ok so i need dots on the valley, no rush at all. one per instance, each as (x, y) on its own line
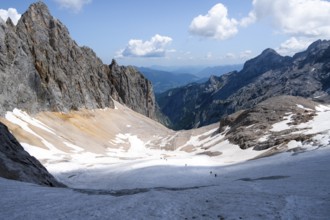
(82, 139)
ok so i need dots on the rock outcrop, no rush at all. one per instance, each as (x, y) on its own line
(253, 127)
(306, 74)
(17, 164)
(43, 69)
(133, 89)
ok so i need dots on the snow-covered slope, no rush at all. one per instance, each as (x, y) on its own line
(76, 144)
(87, 148)
(122, 165)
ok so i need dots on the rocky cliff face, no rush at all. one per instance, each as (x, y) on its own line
(133, 89)
(17, 164)
(306, 74)
(42, 68)
(253, 127)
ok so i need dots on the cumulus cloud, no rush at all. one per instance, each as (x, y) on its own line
(298, 19)
(245, 54)
(250, 19)
(10, 13)
(230, 56)
(308, 18)
(74, 5)
(294, 45)
(155, 47)
(303, 21)
(215, 24)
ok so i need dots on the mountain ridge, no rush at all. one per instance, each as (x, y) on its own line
(164, 80)
(262, 77)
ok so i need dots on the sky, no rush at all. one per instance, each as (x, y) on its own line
(187, 32)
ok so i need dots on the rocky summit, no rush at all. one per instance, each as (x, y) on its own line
(43, 69)
(306, 74)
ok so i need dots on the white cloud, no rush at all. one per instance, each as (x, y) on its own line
(155, 47)
(215, 24)
(75, 5)
(245, 54)
(209, 55)
(238, 56)
(10, 13)
(308, 18)
(294, 18)
(294, 45)
(230, 56)
(250, 19)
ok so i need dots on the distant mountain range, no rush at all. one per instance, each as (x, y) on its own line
(306, 74)
(218, 70)
(174, 77)
(163, 80)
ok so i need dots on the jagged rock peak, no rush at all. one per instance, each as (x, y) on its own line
(43, 69)
(37, 12)
(39, 16)
(10, 23)
(113, 63)
(39, 7)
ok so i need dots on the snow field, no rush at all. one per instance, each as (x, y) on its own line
(134, 178)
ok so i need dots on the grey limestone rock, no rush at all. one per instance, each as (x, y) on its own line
(252, 127)
(17, 164)
(133, 89)
(43, 69)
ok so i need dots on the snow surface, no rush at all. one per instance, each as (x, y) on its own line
(280, 187)
(136, 179)
(282, 125)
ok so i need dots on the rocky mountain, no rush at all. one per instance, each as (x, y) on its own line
(165, 80)
(306, 74)
(17, 164)
(43, 69)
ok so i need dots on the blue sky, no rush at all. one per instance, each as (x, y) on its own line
(187, 32)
